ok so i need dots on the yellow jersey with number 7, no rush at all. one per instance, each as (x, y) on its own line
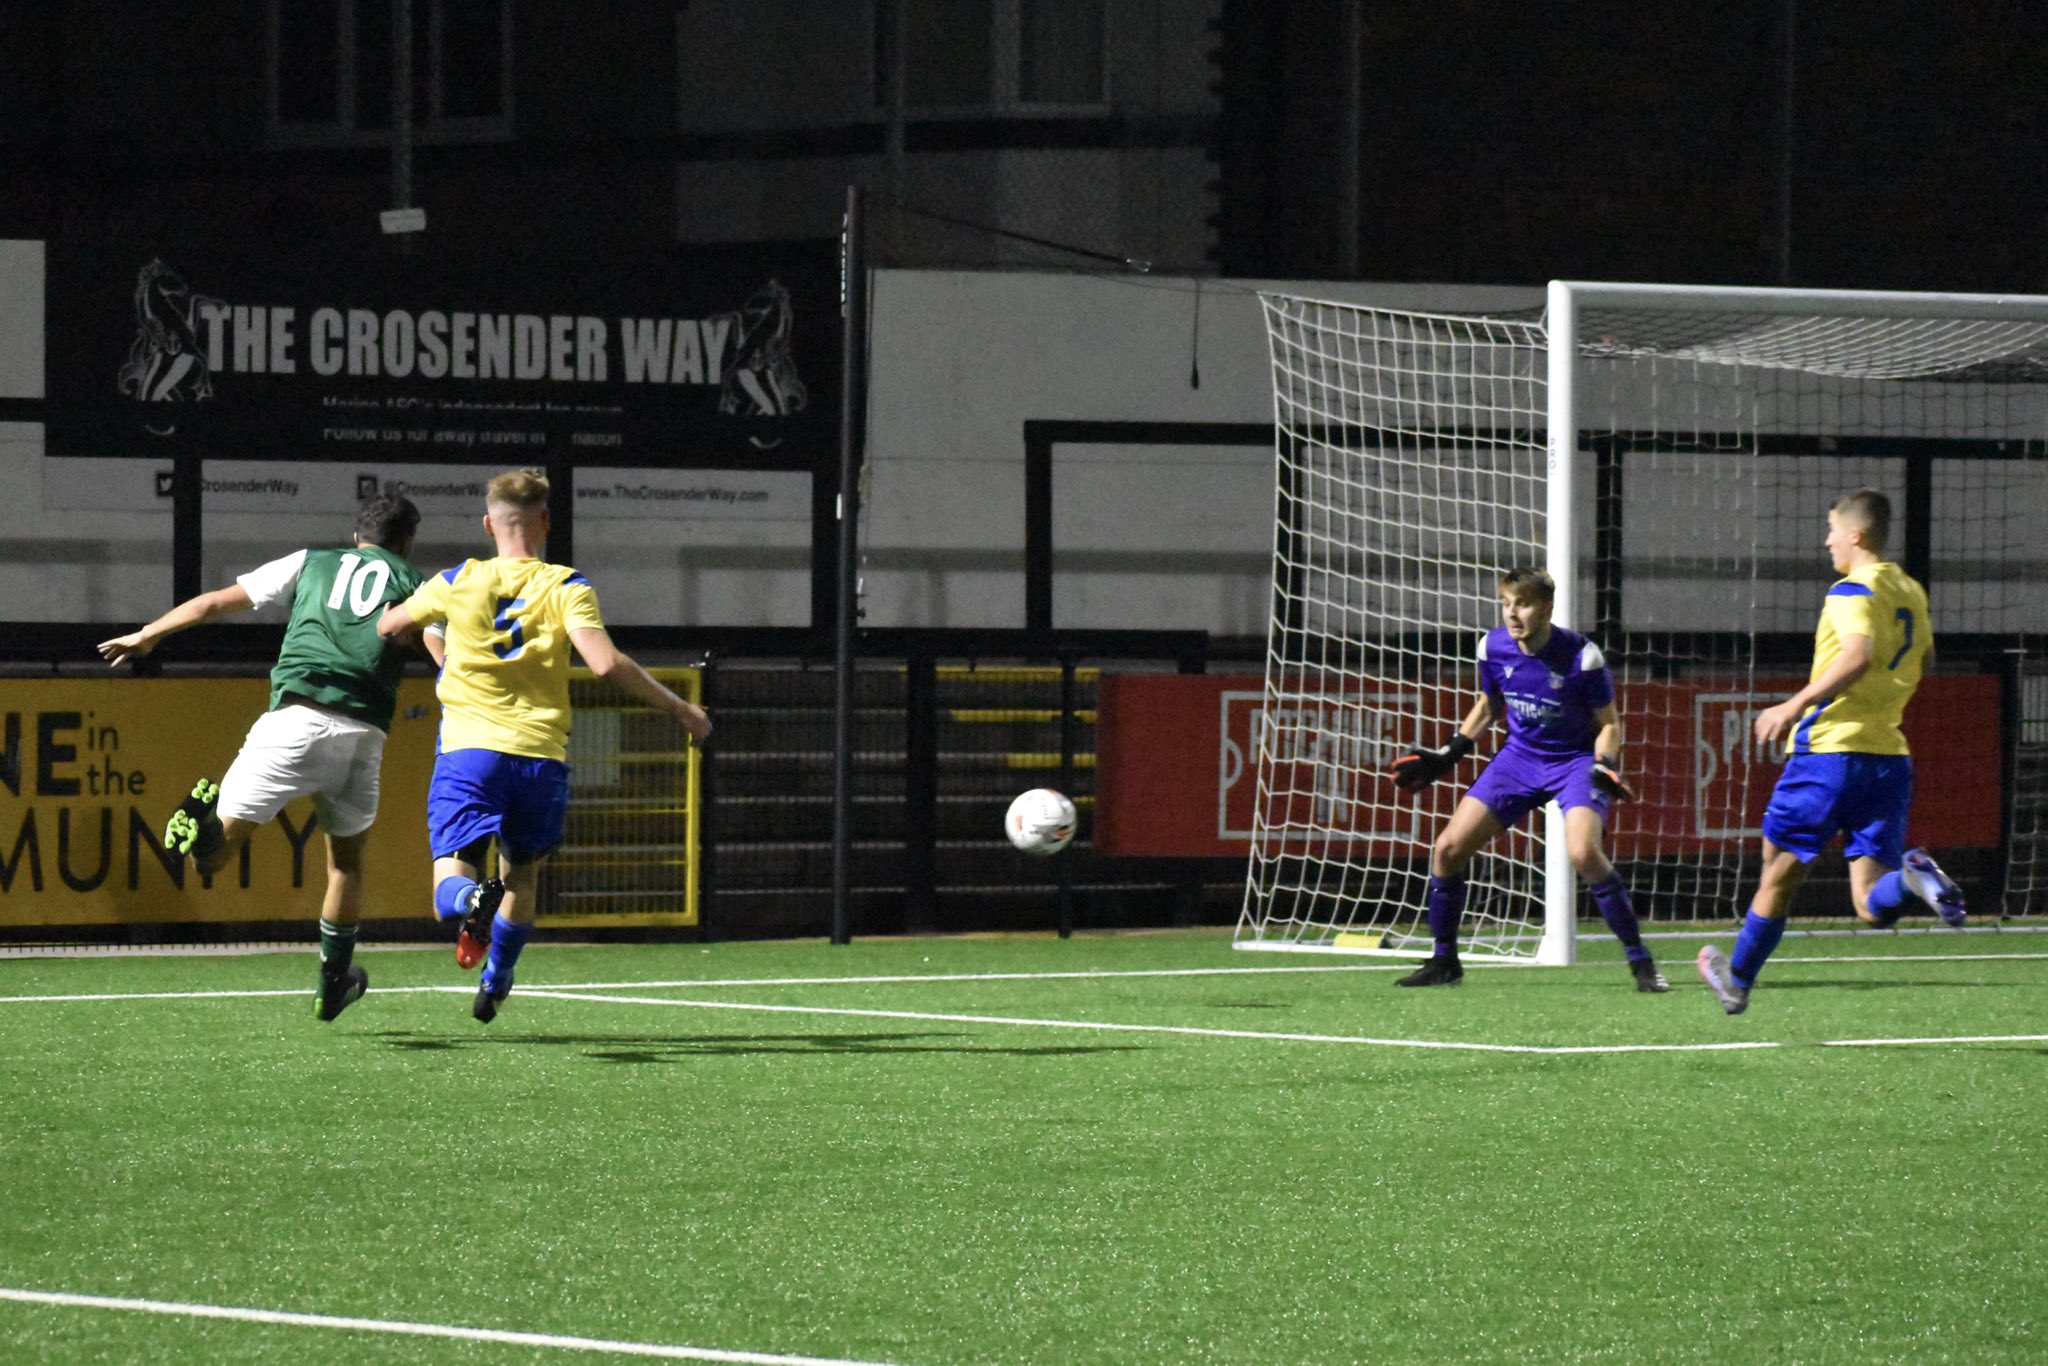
(1886, 604)
(505, 678)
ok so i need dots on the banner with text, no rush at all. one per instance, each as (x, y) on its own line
(91, 768)
(91, 485)
(1177, 764)
(218, 339)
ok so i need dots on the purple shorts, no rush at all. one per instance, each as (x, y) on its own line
(1516, 782)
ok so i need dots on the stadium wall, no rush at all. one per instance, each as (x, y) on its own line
(1143, 535)
(961, 359)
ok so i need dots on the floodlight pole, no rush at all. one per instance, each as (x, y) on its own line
(853, 308)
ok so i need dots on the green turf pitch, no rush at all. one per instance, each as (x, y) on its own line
(1260, 1164)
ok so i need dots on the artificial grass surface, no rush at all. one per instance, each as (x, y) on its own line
(893, 1188)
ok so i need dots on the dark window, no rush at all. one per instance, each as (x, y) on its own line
(376, 57)
(472, 56)
(309, 61)
(1059, 51)
(979, 55)
(946, 53)
(334, 59)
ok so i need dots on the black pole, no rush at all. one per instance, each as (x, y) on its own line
(1607, 544)
(1917, 554)
(707, 808)
(187, 526)
(1066, 875)
(562, 510)
(1037, 527)
(2012, 682)
(920, 791)
(852, 421)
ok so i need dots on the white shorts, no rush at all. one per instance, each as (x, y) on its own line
(298, 752)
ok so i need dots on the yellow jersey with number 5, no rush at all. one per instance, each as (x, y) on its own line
(505, 678)
(1886, 604)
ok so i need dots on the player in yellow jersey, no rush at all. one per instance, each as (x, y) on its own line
(1846, 767)
(502, 772)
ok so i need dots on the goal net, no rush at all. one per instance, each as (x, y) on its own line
(1669, 454)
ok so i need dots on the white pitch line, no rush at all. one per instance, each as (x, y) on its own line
(208, 995)
(703, 983)
(1954, 1038)
(1184, 1030)
(1910, 958)
(421, 1330)
(999, 976)
(253, 994)
(1109, 973)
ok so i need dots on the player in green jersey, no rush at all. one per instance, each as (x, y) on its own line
(332, 695)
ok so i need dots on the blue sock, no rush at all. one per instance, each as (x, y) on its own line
(1753, 944)
(1446, 905)
(1620, 914)
(507, 939)
(451, 896)
(1888, 898)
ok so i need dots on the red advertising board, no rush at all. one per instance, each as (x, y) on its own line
(1177, 759)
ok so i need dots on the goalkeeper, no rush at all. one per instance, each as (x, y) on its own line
(1564, 744)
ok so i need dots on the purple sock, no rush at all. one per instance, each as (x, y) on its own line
(1753, 944)
(1620, 914)
(1446, 908)
(1888, 898)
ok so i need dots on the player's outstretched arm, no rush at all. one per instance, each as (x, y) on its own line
(191, 612)
(1419, 768)
(615, 666)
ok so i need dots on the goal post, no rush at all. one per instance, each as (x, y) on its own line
(1668, 453)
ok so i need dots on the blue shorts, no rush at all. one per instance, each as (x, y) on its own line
(477, 793)
(1818, 795)
(1517, 781)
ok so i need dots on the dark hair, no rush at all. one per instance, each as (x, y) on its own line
(388, 520)
(1870, 511)
(1537, 581)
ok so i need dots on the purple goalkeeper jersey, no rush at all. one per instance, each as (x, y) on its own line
(1550, 696)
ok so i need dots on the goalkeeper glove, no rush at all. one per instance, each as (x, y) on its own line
(1607, 777)
(1419, 768)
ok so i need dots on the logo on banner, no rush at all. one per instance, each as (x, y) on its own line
(1729, 766)
(1328, 753)
(167, 361)
(762, 380)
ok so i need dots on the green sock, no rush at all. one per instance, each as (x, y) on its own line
(337, 947)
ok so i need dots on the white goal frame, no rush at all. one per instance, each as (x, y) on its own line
(1566, 302)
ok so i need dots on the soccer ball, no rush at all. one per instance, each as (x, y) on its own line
(1040, 821)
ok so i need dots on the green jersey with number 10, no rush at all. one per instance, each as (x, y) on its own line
(332, 654)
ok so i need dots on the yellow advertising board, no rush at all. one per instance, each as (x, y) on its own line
(91, 768)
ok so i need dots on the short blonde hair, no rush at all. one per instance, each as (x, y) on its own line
(1529, 581)
(1869, 512)
(523, 489)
